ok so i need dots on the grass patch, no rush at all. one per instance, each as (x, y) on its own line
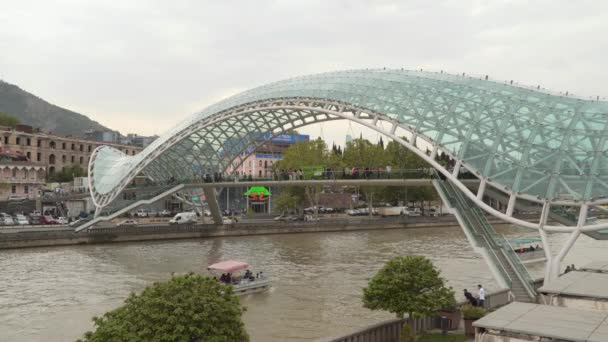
(437, 337)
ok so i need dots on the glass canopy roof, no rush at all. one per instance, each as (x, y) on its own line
(525, 140)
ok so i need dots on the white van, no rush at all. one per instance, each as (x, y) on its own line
(183, 218)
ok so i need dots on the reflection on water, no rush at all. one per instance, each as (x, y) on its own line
(50, 294)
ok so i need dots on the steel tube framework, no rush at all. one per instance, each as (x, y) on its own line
(527, 144)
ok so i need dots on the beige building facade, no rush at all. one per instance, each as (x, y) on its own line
(45, 154)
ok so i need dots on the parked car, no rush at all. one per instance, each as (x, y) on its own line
(21, 220)
(16, 198)
(164, 213)
(412, 211)
(48, 219)
(227, 220)
(310, 218)
(127, 223)
(7, 220)
(62, 220)
(183, 218)
(142, 213)
(207, 212)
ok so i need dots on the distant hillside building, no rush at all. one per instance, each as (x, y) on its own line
(138, 140)
(260, 161)
(26, 158)
(105, 136)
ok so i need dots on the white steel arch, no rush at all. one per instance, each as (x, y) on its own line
(242, 119)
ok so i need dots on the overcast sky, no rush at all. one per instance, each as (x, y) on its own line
(140, 66)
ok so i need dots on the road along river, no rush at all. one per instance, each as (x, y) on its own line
(51, 294)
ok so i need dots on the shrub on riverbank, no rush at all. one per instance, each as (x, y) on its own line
(185, 308)
(408, 285)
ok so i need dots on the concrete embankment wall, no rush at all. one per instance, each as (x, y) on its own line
(41, 238)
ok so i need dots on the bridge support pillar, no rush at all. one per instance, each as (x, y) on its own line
(214, 205)
(557, 261)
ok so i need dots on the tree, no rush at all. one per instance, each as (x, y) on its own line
(286, 201)
(8, 120)
(304, 155)
(67, 174)
(408, 285)
(185, 308)
(363, 154)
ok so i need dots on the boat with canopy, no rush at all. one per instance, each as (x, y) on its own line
(243, 283)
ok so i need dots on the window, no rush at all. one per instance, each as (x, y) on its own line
(63, 145)
(14, 172)
(73, 147)
(265, 163)
(73, 158)
(29, 155)
(13, 189)
(24, 174)
(28, 142)
(89, 148)
(52, 159)
(18, 141)
(51, 170)
(39, 143)
(81, 147)
(81, 160)
(26, 189)
(63, 158)
(260, 173)
(38, 155)
(259, 163)
(6, 139)
(52, 144)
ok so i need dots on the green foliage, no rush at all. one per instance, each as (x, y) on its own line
(286, 201)
(406, 333)
(362, 153)
(359, 153)
(67, 174)
(472, 312)
(304, 154)
(409, 284)
(8, 120)
(185, 308)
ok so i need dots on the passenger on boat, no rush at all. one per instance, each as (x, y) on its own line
(223, 278)
(568, 269)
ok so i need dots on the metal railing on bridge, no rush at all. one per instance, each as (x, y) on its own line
(499, 251)
(291, 175)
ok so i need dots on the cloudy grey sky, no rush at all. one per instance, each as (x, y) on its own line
(139, 66)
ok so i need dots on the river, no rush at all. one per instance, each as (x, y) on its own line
(51, 294)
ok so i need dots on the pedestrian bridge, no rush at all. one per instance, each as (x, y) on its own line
(527, 143)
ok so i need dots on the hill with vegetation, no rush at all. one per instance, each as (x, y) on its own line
(38, 113)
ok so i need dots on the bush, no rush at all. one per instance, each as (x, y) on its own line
(186, 308)
(472, 312)
(408, 285)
